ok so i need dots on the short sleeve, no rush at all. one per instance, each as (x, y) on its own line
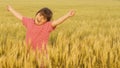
(50, 27)
(25, 21)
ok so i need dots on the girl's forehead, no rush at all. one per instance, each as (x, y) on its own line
(40, 14)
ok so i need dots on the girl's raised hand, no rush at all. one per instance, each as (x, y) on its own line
(9, 7)
(71, 13)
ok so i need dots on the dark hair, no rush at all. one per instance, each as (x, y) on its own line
(46, 12)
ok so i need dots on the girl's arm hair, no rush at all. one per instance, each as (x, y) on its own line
(63, 18)
(15, 13)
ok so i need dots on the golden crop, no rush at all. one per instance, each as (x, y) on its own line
(90, 39)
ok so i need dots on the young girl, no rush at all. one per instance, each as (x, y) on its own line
(39, 28)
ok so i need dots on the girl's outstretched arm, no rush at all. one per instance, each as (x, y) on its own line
(15, 13)
(63, 18)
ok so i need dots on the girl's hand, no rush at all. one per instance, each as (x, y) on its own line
(71, 13)
(9, 7)
(14, 12)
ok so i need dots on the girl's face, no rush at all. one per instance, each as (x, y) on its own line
(40, 19)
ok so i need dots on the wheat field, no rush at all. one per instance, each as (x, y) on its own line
(90, 39)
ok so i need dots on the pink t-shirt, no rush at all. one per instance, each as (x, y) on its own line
(37, 35)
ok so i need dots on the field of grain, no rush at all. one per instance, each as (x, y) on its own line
(90, 39)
